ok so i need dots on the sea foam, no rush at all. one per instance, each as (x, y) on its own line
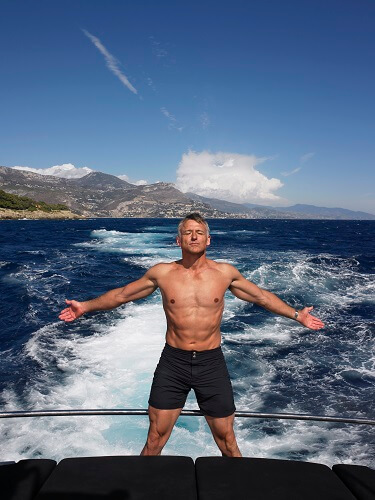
(107, 360)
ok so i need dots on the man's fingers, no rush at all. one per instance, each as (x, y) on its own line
(70, 313)
(317, 324)
(65, 311)
(312, 322)
(68, 320)
(314, 318)
(67, 315)
(317, 321)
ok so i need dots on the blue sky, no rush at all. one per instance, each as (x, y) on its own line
(274, 97)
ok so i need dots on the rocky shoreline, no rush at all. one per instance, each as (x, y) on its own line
(7, 214)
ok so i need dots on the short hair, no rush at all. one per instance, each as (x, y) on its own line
(193, 216)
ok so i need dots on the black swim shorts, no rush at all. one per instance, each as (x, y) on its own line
(178, 371)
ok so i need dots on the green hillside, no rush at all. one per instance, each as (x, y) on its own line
(14, 202)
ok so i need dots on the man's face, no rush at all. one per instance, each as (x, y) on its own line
(194, 238)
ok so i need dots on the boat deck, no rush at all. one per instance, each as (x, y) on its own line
(179, 478)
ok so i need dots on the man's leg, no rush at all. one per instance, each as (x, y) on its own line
(223, 433)
(161, 425)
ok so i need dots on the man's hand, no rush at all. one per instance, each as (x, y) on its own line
(306, 319)
(74, 311)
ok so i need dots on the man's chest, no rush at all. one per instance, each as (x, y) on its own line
(203, 289)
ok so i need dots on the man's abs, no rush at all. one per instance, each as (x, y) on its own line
(193, 339)
(193, 318)
(193, 303)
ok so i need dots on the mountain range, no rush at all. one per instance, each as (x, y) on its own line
(103, 195)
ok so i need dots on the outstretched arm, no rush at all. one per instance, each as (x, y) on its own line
(245, 290)
(133, 291)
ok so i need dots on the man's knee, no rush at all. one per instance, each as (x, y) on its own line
(227, 443)
(156, 434)
(230, 439)
(153, 442)
(225, 434)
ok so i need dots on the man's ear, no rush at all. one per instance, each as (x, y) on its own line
(178, 241)
(208, 241)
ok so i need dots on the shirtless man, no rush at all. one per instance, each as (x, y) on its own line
(193, 291)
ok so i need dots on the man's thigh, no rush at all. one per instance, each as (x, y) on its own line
(221, 427)
(162, 421)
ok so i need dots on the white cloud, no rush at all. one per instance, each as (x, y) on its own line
(228, 176)
(141, 182)
(111, 61)
(306, 157)
(67, 171)
(124, 178)
(286, 174)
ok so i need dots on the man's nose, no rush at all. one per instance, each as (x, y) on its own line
(193, 235)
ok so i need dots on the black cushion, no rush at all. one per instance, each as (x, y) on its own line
(125, 478)
(23, 480)
(223, 478)
(359, 479)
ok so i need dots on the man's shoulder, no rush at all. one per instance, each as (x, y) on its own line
(225, 267)
(160, 269)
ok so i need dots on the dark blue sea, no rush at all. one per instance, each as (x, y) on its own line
(106, 360)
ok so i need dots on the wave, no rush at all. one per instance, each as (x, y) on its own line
(107, 360)
(144, 248)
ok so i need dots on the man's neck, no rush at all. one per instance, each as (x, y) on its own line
(193, 262)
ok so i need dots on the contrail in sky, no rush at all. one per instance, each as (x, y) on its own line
(286, 174)
(111, 61)
(168, 114)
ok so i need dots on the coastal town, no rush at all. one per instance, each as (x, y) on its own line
(106, 196)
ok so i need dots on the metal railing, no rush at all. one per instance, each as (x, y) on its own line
(184, 413)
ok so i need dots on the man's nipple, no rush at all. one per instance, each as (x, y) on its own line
(172, 301)
(216, 300)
